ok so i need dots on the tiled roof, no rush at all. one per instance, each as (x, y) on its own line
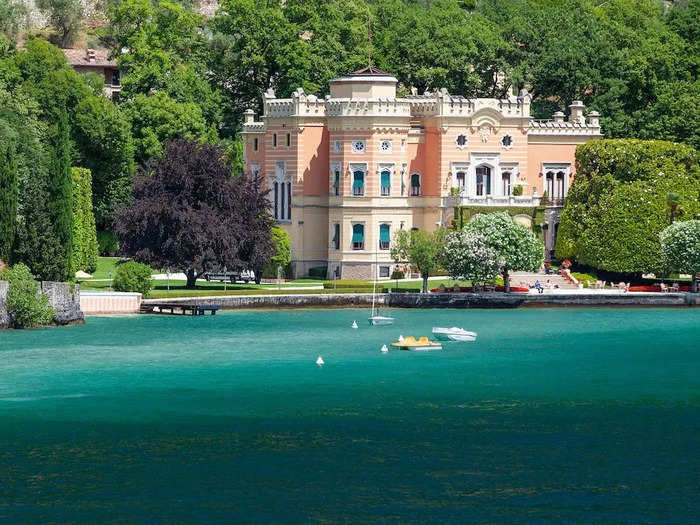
(369, 71)
(79, 57)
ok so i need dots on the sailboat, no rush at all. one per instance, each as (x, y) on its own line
(375, 319)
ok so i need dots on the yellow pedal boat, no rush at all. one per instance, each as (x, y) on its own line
(422, 344)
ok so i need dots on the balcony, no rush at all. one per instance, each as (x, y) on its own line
(493, 200)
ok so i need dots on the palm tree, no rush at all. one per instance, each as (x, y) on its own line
(672, 200)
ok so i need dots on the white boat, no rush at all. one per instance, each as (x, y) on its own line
(375, 319)
(379, 320)
(454, 334)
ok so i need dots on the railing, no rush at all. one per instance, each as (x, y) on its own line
(497, 200)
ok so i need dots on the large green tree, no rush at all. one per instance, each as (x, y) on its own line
(158, 118)
(617, 204)
(104, 145)
(420, 249)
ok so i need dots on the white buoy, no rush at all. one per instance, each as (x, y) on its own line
(320, 361)
(400, 338)
(354, 324)
(384, 349)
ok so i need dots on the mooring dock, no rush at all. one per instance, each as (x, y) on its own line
(178, 309)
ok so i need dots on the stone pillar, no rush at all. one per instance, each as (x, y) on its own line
(249, 116)
(594, 119)
(576, 115)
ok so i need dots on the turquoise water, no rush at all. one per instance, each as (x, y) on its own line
(564, 416)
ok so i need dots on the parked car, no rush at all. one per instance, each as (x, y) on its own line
(230, 276)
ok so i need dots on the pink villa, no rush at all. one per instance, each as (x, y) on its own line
(347, 171)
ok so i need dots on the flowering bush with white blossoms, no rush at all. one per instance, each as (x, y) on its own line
(680, 246)
(516, 245)
(467, 255)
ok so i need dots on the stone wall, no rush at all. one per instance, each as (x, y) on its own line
(4, 317)
(63, 297)
(439, 300)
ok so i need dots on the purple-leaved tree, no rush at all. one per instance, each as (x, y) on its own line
(188, 212)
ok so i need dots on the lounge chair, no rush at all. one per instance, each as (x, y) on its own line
(663, 287)
(675, 287)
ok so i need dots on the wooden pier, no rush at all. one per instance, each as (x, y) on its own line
(177, 309)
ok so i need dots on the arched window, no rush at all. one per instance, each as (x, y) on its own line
(483, 180)
(505, 177)
(358, 183)
(415, 185)
(561, 178)
(385, 179)
(358, 237)
(336, 181)
(549, 180)
(384, 236)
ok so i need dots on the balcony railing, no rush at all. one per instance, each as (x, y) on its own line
(495, 200)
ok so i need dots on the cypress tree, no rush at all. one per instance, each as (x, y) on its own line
(60, 190)
(37, 246)
(84, 233)
(8, 199)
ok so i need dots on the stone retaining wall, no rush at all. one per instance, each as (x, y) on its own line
(440, 300)
(276, 301)
(64, 298)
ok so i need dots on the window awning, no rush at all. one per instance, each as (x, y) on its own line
(358, 233)
(386, 179)
(384, 233)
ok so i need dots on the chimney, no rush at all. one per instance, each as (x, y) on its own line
(90, 55)
(559, 117)
(594, 119)
(576, 115)
(249, 116)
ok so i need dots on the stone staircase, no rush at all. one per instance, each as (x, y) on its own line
(554, 279)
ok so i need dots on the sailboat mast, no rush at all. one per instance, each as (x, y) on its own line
(374, 283)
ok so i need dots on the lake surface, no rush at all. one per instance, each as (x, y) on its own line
(552, 416)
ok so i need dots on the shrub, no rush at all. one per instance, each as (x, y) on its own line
(617, 205)
(107, 244)
(517, 191)
(133, 277)
(318, 272)
(397, 274)
(26, 306)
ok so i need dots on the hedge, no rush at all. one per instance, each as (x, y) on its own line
(85, 250)
(617, 206)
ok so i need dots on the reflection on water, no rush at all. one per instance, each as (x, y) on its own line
(584, 416)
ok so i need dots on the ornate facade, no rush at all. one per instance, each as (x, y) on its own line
(347, 171)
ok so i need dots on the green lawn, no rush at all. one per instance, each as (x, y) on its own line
(105, 266)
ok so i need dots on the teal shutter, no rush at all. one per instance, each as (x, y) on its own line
(384, 233)
(415, 180)
(358, 233)
(386, 179)
(358, 179)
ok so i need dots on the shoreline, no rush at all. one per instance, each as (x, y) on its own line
(483, 300)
